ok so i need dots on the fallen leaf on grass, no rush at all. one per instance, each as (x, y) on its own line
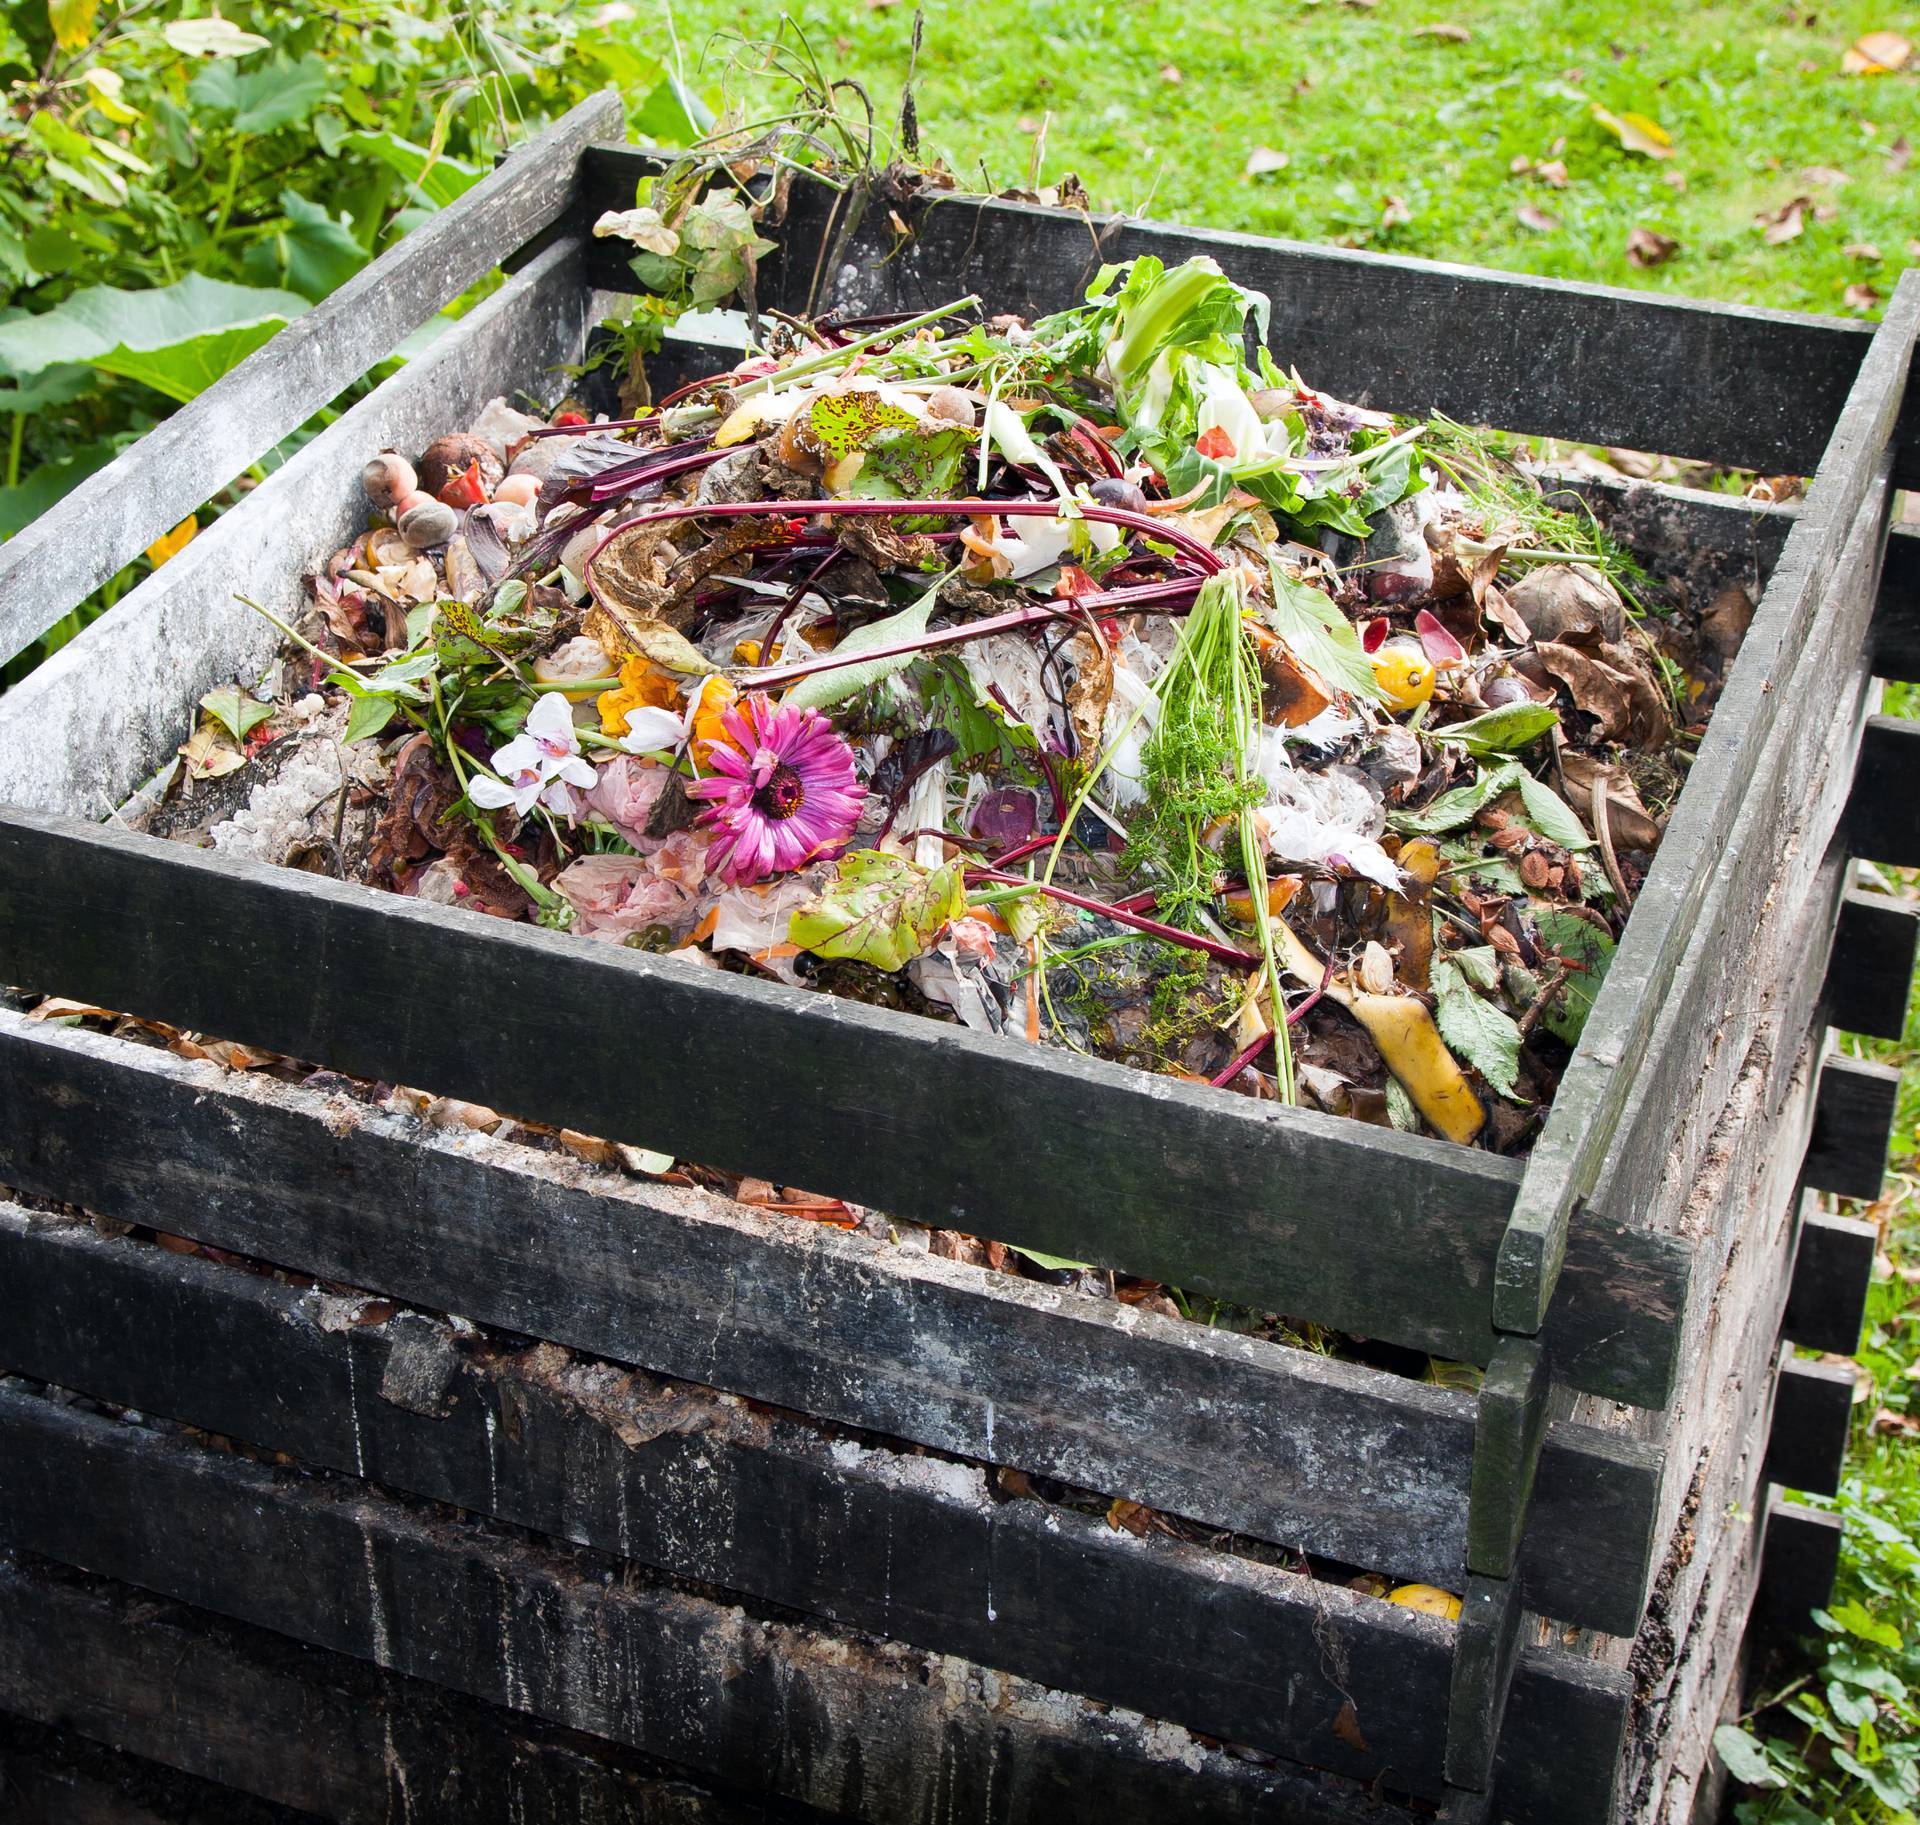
(1897, 156)
(1447, 30)
(1862, 250)
(1877, 54)
(1636, 132)
(1531, 216)
(1785, 223)
(1886, 1420)
(1823, 177)
(1263, 160)
(1646, 248)
(1861, 297)
(1394, 212)
(1170, 72)
(1552, 171)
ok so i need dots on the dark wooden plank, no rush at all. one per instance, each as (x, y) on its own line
(317, 1733)
(1870, 973)
(1341, 1460)
(75, 546)
(1827, 1302)
(1833, 545)
(1283, 1209)
(870, 1728)
(1486, 1650)
(1509, 1430)
(1896, 625)
(1799, 1561)
(1807, 1438)
(51, 1777)
(911, 1548)
(1586, 362)
(1883, 815)
(183, 631)
(1852, 1122)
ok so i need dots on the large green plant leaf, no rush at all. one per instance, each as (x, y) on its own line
(880, 910)
(313, 253)
(24, 504)
(264, 98)
(437, 177)
(178, 339)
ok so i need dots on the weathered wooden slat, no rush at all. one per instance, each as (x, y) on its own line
(318, 1733)
(914, 1549)
(1343, 1461)
(872, 1729)
(1509, 1430)
(1843, 519)
(1283, 1209)
(76, 545)
(1486, 1651)
(51, 1777)
(1883, 816)
(1832, 1270)
(1870, 973)
(1799, 1561)
(1807, 1438)
(1853, 1119)
(1587, 362)
(1896, 626)
(182, 631)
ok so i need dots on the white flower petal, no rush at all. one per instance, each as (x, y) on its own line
(551, 720)
(575, 772)
(489, 794)
(650, 728)
(520, 755)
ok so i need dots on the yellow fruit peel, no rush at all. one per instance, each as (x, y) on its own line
(1428, 1599)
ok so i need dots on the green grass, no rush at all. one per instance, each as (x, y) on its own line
(1364, 109)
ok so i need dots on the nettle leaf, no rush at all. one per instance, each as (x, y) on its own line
(178, 339)
(881, 910)
(1452, 809)
(1501, 731)
(844, 421)
(1746, 1757)
(1572, 937)
(1547, 812)
(1321, 636)
(1487, 1037)
(235, 711)
(844, 681)
(915, 464)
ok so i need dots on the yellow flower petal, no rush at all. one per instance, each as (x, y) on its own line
(168, 544)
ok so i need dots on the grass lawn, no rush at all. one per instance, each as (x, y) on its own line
(1400, 138)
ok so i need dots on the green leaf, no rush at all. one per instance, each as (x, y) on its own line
(1572, 937)
(1486, 1036)
(1547, 812)
(1501, 731)
(314, 253)
(53, 386)
(1321, 636)
(265, 98)
(72, 21)
(880, 910)
(1852, 1708)
(22, 505)
(672, 114)
(235, 711)
(370, 714)
(1856, 1619)
(1452, 809)
(1480, 964)
(844, 681)
(1746, 1758)
(1054, 1264)
(437, 177)
(178, 339)
(213, 37)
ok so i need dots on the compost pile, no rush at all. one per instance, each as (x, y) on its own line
(1088, 682)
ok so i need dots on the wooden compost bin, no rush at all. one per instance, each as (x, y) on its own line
(822, 1598)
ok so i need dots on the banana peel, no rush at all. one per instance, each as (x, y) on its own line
(1409, 1042)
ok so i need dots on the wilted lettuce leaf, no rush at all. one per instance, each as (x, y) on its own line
(881, 910)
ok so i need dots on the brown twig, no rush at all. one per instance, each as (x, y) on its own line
(1603, 834)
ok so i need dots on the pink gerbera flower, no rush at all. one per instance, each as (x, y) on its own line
(782, 795)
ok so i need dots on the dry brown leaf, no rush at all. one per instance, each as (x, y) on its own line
(1132, 1516)
(1646, 247)
(1861, 297)
(1346, 1726)
(1785, 223)
(1530, 215)
(210, 754)
(1446, 29)
(1520, 166)
(1862, 250)
(1170, 72)
(1553, 171)
(1822, 177)
(1263, 160)
(1897, 156)
(1675, 179)
(1886, 1420)
(1628, 820)
(1610, 687)
(589, 1147)
(1394, 212)
(1877, 54)
(58, 1007)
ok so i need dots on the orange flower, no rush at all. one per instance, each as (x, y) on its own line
(643, 685)
(168, 544)
(715, 700)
